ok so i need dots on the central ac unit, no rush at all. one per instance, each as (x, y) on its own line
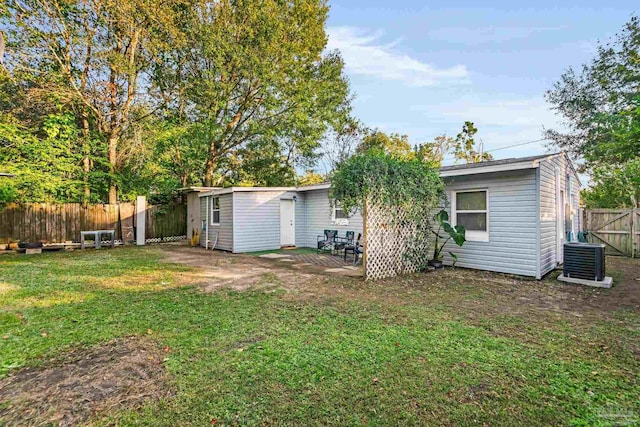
(584, 261)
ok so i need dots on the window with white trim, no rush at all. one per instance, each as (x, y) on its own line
(215, 211)
(470, 209)
(339, 214)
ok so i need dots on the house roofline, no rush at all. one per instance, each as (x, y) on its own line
(197, 189)
(489, 167)
(320, 186)
(228, 190)
(478, 168)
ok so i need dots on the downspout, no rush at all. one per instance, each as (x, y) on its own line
(206, 224)
(570, 199)
(538, 237)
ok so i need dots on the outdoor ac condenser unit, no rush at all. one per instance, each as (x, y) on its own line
(584, 261)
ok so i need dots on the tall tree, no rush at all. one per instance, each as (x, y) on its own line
(601, 107)
(395, 145)
(435, 151)
(464, 146)
(97, 54)
(341, 142)
(601, 102)
(255, 73)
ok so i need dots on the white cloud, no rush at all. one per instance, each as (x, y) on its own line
(488, 112)
(364, 54)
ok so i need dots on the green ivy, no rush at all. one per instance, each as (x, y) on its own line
(407, 183)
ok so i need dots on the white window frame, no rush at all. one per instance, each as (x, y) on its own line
(336, 206)
(214, 209)
(471, 235)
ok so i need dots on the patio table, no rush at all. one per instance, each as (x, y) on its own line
(97, 237)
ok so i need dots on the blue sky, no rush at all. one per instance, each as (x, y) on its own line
(423, 68)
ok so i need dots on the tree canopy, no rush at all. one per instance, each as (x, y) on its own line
(600, 104)
(168, 94)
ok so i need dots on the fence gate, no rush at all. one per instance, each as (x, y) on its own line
(618, 229)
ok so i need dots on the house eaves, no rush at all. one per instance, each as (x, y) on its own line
(505, 165)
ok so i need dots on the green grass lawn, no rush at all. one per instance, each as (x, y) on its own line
(398, 354)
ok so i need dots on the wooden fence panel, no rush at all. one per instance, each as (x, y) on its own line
(617, 229)
(164, 222)
(60, 223)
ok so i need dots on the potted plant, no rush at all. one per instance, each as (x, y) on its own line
(450, 233)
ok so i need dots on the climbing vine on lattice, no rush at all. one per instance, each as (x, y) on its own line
(399, 197)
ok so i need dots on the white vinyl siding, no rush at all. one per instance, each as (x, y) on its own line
(319, 217)
(257, 219)
(224, 229)
(512, 225)
(549, 258)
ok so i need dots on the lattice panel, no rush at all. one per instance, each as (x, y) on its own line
(395, 242)
(165, 239)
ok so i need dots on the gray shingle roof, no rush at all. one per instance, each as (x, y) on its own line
(496, 162)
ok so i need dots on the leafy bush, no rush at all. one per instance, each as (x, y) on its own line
(390, 180)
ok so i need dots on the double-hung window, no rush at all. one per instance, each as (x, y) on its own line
(470, 208)
(215, 211)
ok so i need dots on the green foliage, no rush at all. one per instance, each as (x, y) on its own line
(310, 178)
(395, 145)
(464, 145)
(389, 180)
(457, 234)
(44, 161)
(601, 102)
(613, 186)
(255, 77)
(601, 107)
(435, 151)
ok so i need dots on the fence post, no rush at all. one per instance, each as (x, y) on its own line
(141, 212)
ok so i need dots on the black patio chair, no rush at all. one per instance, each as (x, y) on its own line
(356, 249)
(342, 242)
(327, 241)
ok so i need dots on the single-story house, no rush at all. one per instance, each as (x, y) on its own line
(517, 213)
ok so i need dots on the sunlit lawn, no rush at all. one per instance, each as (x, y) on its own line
(267, 358)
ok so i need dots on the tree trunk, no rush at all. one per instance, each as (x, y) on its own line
(86, 164)
(112, 147)
(211, 164)
(209, 170)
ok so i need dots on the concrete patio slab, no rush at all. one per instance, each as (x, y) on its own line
(606, 283)
(274, 256)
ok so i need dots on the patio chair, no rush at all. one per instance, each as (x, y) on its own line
(342, 242)
(356, 249)
(327, 241)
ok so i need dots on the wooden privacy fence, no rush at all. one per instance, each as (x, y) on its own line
(618, 229)
(60, 223)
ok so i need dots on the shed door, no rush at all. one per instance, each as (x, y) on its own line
(287, 223)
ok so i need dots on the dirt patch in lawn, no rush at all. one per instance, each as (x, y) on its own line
(217, 270)
(471, 294)
(122, 373)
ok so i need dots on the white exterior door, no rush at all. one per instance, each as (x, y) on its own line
(287, 223)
